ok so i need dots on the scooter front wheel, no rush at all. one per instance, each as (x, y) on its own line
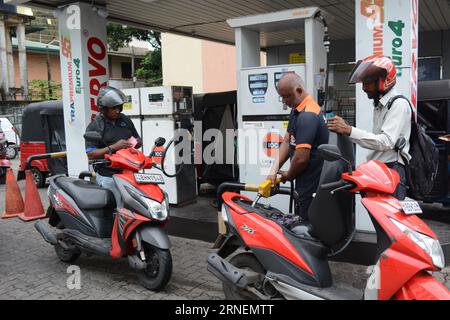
(159, 268)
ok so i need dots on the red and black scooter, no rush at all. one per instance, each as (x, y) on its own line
(291, 262)
(84, 217)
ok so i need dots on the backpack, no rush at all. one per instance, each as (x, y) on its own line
(421, 171)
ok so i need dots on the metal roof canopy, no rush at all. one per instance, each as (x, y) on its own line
(278, 28)
(275, 21)
(206, 19)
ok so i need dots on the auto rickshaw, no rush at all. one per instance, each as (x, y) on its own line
(42, 132)
(434, 114)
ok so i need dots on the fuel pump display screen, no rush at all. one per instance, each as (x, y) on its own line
(156, 97)
(258, 84)
(279, 75)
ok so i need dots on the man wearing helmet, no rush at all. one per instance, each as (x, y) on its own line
(117, 130)
(378, 76)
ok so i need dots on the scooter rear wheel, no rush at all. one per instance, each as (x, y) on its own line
(245, 261)
(68, 256)
(159, 268)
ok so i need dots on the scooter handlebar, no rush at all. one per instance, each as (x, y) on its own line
(338, 185)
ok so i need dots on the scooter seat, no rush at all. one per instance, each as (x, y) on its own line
(86, 194)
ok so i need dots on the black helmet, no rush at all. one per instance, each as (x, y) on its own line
(110, 97)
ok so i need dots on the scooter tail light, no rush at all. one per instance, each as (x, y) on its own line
(223, 213)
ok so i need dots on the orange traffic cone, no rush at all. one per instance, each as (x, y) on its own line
(13, 197)
(33, 204)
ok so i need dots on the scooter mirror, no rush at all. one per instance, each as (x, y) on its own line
(400, 144)
(329, 152)
(160, 142)
(93, 136)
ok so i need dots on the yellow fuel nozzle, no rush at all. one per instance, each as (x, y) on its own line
(266, 187)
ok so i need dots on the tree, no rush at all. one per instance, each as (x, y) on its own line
(151, 67)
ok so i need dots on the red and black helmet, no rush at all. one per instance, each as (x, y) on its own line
(375, 68)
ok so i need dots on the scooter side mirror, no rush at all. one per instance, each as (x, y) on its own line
(93, 136)
(160, 142)
(400, 144)
(329, 152)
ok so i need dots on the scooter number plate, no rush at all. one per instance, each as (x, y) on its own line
(411, 207)
(144, 178)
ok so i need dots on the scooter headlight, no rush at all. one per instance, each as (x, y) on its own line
(430, 245)
(158, 210)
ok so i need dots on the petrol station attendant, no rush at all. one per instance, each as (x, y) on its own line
(307, 130)
(117, 131)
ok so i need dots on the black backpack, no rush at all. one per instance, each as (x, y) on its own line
(422, 169)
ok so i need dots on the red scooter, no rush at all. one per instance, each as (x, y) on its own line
(84, 217)
(291, 261)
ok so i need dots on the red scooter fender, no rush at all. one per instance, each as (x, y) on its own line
(154, 235)
(423, 286)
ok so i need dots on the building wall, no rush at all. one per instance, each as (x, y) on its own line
(182, 61)
(37, 67)
(205, 65)
(115, 66)
(219, 67)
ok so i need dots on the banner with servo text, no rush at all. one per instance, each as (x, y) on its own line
(84, 70)
(388, 27)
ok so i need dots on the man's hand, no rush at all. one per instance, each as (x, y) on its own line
(121, 144)
(284, 176)
(338, 125)
(272, 178)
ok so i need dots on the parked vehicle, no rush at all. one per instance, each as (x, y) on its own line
(42, 132)
(4, 163)
(433, 108)
(83, 217)
(291, 261)
(12, 138)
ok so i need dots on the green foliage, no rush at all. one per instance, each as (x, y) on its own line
(150, 68)
(120, 36)
(42, 90)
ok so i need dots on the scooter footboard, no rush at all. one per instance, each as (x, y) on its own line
(226, 272)
(423, 286)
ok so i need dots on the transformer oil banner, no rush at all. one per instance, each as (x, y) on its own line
(84, 70)
(388, 27)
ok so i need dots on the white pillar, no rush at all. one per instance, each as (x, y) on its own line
(10, 57)
(249, 48)
(84, 70)
(4, 81)
(23, 70)
(315, 54)
(390, 28)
